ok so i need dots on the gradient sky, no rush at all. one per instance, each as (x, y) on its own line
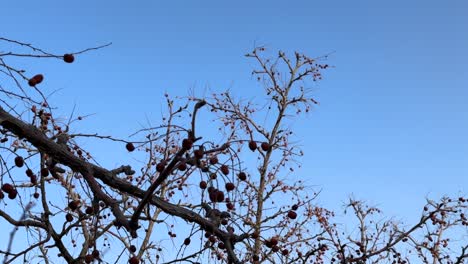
(392, 123)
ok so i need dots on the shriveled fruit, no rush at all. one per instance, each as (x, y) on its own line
(292, 214)
(130, 147)
(187, 143)
(73, 205)
(12, 195)
(224, 169)
(187, 241)
(69, 217)
(68, 58)
(133, 260)
(252, 145)
(230, 186)
(242, 176)
(6, 187)
(265, 146)
(19, 161)
(203, 185)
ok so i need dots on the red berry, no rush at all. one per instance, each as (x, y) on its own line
(44, 172)
(214, 160)
(68, 58)
(32, 82)
(73, 205)
(12, 194)
(89, 210)
(38, 78)
(89, 258)
(242, 176)
(187, 144)
(69, 217)
(198, 153)
(294, 207)
(6, 187)
(2, 195)
(182, 166)
(96, 253)
(224, 169)
(36, 195)
(203, 185)
(33, 179)
(29, 172)
(133, 248)
(133, 260)
(219, 196)
(265, 146)
(230, 186)
(292, 214)
(187, 241)
(252, 145)
(160, 167)
(19, 161)
(130, 147)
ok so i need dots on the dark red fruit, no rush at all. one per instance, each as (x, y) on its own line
(19, 161)
(198, 153)
(182, 166)
(6, 187)
(242, 176)
(34, 179)
(219, 196)
(36, 195)
(285, 252)
(73, 205)
(265, 146)
(96, 253)
(2, 195)
(221, 245)
(230, 186)
(69, 217)
(44, 172)
(36, 79)
(68, 58)
(89, 210)
(133, 260)
(132, 248)
(160, 166)
(292, 214)
(214, 160)
(187, 241)
(29, 172)
(294, 207)
(12, 195)
(252, 145)
(88, 258)
(187, 144)
(203, 185)
(224, 169)
(130, 147)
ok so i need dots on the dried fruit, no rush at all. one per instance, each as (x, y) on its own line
(224, 169)
(36, 79)
(133, 260)
(29, 172)
(132, 248)
(88, 258)
(69, 217)
(252, 145)
(2, 195)
(68, 58)
(242, 176)
(265, 146)
(36, 195)
(19, 161)
(292, 214)
(203, 185)
(12, 194)
(214, 160)
(182, 166)
(73, 205)
(187, 144)
(6, 187)
(130, 147)
(230, 186)
(187, 241)
(198, 153)
(160, 166)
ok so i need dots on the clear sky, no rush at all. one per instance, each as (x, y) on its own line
(392, 123)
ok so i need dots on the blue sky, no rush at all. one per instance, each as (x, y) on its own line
(392, 125)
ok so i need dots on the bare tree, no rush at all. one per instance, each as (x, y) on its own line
(195, 197)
